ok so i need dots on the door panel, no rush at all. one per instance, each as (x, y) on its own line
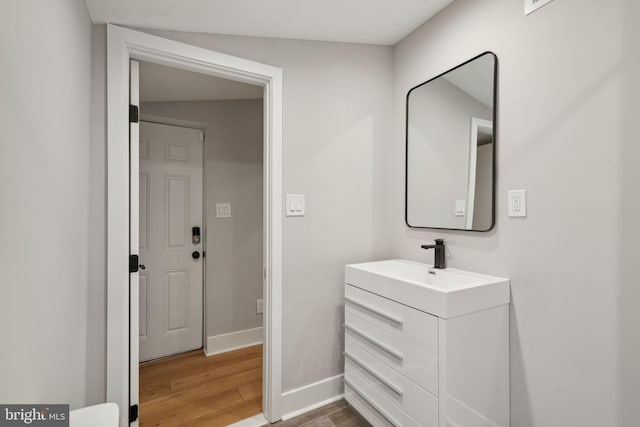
(170, 205)
(177, 289)
(177, 207)
(144, 211)
(177, 152)
(143, 313)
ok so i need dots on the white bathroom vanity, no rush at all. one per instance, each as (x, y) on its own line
(426, 347)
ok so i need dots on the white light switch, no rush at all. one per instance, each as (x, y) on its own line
(517, 203)
(461, 205)
(223, 210)
(295, 205)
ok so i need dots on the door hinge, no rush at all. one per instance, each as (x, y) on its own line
(133, 413)
(134, 116)
(133, 263)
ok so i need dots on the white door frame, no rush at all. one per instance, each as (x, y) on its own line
(122, 45)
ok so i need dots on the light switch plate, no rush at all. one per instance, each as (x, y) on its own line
(517, 203)
(295, 205)
(223, 210)
(461, 206)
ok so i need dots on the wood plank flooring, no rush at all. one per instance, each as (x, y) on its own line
(337, 414)
(195, 390)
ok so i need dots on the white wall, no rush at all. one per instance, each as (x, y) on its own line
(233, 173)
(567, 132)
(337, 105)
(45, 71)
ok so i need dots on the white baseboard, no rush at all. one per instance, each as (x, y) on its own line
(312, 396)
(233, 341)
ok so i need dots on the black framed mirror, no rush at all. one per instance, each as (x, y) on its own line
(450, 148)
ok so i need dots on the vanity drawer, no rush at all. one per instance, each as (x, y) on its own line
(367, 411)
(411, 325)
(374, 408)
(418, 365)
(391, 385)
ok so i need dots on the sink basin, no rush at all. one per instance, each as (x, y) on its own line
(444, 293)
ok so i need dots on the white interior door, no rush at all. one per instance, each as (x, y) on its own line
(171, 284)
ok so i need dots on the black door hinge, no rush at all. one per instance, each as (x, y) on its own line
(134, 117)
(133, 413)
(133, 263)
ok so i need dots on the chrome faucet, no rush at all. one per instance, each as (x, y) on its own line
(439, 259)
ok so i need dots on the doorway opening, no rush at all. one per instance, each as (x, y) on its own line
(123, 330)
(201, 245)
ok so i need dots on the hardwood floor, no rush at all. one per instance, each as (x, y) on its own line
(194, 390)
(337, 414)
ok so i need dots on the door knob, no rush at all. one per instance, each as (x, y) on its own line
(195, 254)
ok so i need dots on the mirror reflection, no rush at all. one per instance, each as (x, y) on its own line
(450, 148)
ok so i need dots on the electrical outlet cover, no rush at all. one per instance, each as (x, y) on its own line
(517, 203)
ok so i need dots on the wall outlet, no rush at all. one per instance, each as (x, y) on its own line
(517, 203)
(259, 306)
(461, 205)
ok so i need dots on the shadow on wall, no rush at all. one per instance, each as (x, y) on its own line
(629, 233)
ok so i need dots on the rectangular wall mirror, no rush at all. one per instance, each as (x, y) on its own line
(450, 152)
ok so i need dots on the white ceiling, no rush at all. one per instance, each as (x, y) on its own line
(161, 83)
(358, 21)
